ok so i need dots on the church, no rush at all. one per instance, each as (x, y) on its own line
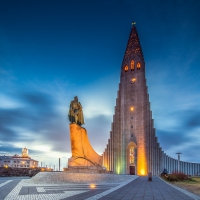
(133, 147)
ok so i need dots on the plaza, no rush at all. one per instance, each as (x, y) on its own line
(120, 187)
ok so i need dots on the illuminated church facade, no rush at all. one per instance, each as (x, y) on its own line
(133, 147)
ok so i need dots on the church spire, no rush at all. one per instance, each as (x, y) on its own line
(133, 48)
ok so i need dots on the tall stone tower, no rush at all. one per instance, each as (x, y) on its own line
(133, 147)
(132, 142)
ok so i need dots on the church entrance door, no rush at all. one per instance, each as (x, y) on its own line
(132, 170)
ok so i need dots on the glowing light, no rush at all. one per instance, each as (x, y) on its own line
(138, 66)
(132, 65)
(131, 108)
(142, 164)
(118, 169)
(133, 80)
(142, 171)
(126, 68)
(92, 186)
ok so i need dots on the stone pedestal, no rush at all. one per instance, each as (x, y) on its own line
(83, 155)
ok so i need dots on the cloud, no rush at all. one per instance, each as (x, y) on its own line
(98, 129)
(169, 139)
(194, 120)
(36, 117)
(9, 149)
(182, 136)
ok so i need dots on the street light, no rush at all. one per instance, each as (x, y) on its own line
(178, 162)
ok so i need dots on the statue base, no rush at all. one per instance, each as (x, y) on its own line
(87, 170)
(83, 155)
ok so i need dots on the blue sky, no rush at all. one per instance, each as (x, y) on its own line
(51, 51)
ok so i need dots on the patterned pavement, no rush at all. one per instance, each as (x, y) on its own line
(24, 189)
(138, 189)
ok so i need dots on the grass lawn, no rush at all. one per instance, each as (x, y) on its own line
(192, 185)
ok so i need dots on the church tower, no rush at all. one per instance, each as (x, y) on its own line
(133, 147)
(132, 137)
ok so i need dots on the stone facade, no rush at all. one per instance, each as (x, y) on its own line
(133, 147)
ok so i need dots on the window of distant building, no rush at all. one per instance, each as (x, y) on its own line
(126, 68)
(132, 65)
(138, 66)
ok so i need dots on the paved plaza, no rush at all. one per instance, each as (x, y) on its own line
(136, 188)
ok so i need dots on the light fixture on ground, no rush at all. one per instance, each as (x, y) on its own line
(92, 186)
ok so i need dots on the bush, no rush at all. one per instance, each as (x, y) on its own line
(175, 176)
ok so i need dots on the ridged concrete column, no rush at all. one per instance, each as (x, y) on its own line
(109, 155)
(111, 141)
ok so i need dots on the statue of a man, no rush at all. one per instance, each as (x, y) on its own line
(75, 112)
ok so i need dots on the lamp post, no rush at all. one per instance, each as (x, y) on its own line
(59, 164)
(178, 162)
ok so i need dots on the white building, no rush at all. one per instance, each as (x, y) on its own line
(17, 161)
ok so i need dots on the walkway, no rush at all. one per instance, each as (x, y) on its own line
(141, 189)
(138, 189)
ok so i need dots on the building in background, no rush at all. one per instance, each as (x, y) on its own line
(16, 161)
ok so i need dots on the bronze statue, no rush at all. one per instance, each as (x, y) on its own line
(75, 112)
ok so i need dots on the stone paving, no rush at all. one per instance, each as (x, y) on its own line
(128, 188)
(141, 189)
(64, 177)
(6, 186)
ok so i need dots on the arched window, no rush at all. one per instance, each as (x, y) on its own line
(138, 66)
(126, 68)
(132, 155)
(132, 65)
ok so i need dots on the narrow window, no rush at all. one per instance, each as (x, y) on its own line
(138, 66)
(126, 68)
(132, 65)
(131, 155)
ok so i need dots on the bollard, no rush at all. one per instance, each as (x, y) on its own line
(149, 176)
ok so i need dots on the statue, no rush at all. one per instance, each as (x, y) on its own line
(75, 112)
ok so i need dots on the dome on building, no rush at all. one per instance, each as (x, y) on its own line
(25, 152)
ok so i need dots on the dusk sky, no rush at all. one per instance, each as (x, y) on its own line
(51, 51)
